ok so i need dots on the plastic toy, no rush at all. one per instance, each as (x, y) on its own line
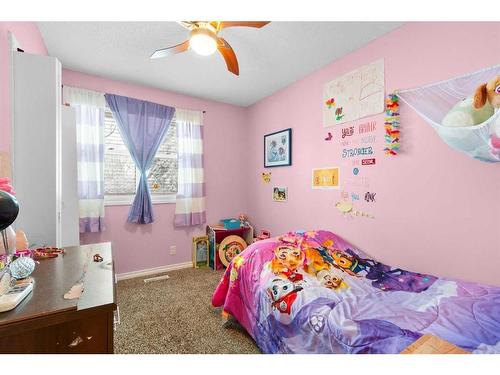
(244, 223)
(263, 235)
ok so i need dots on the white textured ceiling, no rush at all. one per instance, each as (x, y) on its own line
(270, 58)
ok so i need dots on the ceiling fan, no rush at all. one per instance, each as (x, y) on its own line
(203, 40)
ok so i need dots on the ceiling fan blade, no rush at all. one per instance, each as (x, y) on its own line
(190, 25)
(229, 57)
(164, 52)
(257, 24)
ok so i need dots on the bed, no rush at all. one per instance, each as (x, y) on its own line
(313, 292)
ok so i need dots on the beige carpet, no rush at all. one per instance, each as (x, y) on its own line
(175, 316)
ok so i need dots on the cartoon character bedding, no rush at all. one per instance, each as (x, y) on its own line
(312, 292)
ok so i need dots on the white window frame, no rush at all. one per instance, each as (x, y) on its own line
(128, 199)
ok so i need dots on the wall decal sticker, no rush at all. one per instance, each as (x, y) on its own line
(329, 137)
(266, 177)
(368, 139)
(354, 197)
(358, 151)
(367, 127)
(347, 132)
(368, 161)
(344, 195)
(370, 197)
(348, 209)
(355, 171)
(358, 182)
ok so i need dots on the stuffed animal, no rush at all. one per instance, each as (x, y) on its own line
(488, 94)
(465, 114)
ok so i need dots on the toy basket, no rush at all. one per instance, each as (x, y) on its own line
(432, 102)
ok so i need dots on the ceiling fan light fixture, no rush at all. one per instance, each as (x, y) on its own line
(203, 42)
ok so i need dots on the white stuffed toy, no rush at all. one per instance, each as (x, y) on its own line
(465, 114)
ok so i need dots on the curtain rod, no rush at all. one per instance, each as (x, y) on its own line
(62, 86)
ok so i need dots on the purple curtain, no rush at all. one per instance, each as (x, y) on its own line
(143, 126)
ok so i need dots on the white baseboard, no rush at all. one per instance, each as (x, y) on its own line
(153, 271)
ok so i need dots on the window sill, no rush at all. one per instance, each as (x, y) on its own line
(127, 200)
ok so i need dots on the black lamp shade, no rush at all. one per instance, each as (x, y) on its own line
(9, 208)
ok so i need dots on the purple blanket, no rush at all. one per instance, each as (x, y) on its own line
(312, 292)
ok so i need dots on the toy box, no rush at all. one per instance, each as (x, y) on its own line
(230, 223)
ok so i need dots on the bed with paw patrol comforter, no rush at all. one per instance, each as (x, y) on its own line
(312, 292)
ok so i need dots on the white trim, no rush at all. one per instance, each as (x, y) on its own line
(127, 200)
(13, 46)
(153, 271)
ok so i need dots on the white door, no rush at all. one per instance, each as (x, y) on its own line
(36, 140)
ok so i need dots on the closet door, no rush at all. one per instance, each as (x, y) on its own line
(37, 147)
(70, 234)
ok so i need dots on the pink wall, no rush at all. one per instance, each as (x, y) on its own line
(138, 247)
(30, 39)
(437, 211)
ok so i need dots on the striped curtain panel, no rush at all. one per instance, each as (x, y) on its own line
(190, 202)
(89, 108)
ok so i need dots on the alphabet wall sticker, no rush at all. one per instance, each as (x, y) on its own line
(347, 132)
(370, 197)
(370, 161)
(358, 151)
(367, 127)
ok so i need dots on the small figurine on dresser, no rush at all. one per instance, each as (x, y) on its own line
(244, 223)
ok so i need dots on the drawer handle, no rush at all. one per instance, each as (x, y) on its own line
(75, 342)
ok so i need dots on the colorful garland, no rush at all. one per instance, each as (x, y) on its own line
(391, 125)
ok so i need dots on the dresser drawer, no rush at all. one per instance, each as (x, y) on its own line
(89, 335)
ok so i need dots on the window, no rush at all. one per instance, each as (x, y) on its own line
(121, 176)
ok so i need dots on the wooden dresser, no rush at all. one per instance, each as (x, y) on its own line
(45, 322)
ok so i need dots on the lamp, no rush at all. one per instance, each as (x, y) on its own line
(9, 208)
(203, 41)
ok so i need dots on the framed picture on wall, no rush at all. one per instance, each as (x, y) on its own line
(200, 251)
(278, 149)
(325, 178)
(280, 194)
